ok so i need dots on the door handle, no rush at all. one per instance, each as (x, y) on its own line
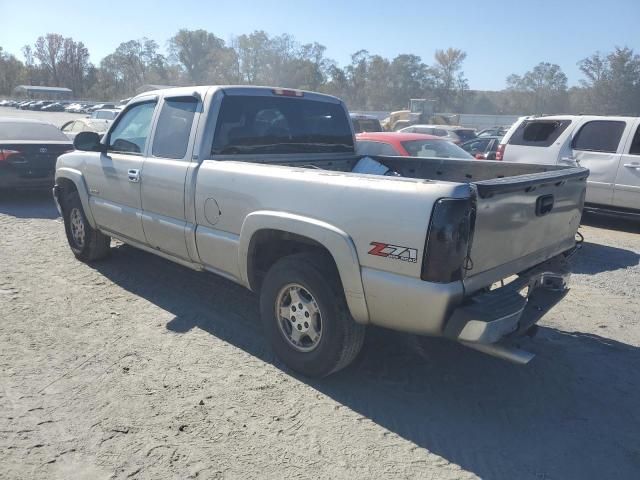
(134, 175)
(633, 165)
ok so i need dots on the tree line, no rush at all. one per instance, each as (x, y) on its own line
(611, 83)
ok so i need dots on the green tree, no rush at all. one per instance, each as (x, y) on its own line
(540, 90)
(203, 56)
(450, 81)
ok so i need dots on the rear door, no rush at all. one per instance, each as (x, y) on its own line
(626, 192)
(164, 173)
(113, 178)
(597, 145)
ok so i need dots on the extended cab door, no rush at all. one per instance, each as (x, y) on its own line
(627, 186)
(113, 178)
(164, 173)
(597, 145)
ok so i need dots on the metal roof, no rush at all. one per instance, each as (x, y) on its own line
(39, 88)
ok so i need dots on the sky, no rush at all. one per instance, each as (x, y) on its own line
(500, 37)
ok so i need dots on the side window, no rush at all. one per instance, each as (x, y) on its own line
(130, 133)
(599, 136)
(174, 127)
(538, 133)
(77, 127)
(635, 144)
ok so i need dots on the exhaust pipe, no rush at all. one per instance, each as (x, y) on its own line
(505, 352)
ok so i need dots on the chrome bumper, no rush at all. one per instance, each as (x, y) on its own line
(487, 321)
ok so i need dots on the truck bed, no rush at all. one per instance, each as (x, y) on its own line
(524, 213)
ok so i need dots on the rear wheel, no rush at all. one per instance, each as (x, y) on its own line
(306, 317)
(86, 243)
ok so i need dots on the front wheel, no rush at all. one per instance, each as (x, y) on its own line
(306, 317)
(86, 243)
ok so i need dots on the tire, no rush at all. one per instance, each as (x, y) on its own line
(340, 338)
(92, 244)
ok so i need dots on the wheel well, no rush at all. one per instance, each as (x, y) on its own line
(268, 246)
(66, 187)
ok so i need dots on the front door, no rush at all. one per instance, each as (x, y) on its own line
(627, 187)
(163, 177)
(597, 146)
(113, 178)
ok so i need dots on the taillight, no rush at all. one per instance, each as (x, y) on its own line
(448, 240)
(5, 154)
(500, 151)
(287, 93)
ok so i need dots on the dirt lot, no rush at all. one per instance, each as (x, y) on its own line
(138, 368)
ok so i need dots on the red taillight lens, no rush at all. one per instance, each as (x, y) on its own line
(500, 152)
(5, 154)
(287, 93)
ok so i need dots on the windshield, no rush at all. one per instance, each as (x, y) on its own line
(30, 131)
(265, 124)
(434, 149)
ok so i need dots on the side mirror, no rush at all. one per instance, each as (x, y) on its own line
(88, 142)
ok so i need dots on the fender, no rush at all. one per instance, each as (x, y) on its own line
(339, 244)
(76, 177)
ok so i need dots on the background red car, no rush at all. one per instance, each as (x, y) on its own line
(408, 145)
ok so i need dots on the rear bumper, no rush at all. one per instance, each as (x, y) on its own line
(481, 320)
(10, 179)
(511, 310)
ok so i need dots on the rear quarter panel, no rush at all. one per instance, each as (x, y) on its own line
(368, 208)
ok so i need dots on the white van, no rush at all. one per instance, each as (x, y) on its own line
(608, 146)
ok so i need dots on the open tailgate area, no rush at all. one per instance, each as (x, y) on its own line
(523, 220)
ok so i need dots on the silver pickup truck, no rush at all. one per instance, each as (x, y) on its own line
(263, 187)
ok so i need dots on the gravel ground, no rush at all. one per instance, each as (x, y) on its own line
(138, 368)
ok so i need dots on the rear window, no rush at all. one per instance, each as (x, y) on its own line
(30, 131)
(465, 134)
(278, 125)
(599, 136)
(538, 133)
(434, 149)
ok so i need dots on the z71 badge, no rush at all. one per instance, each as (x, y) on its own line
(396, 252)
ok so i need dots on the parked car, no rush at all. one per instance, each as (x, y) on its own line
(483, 147)
(28, 152)
(99, 106)
(264, 186)
(39, 105)
(74, 108)
(53, 107)
(74, 127)
(455, 134)
(105, 114)
(25, 105)
(365, 123)
(408, 145)
(493, 132)
(608, 146)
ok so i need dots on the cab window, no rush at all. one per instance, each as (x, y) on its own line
(132, 130)
(174, 127)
